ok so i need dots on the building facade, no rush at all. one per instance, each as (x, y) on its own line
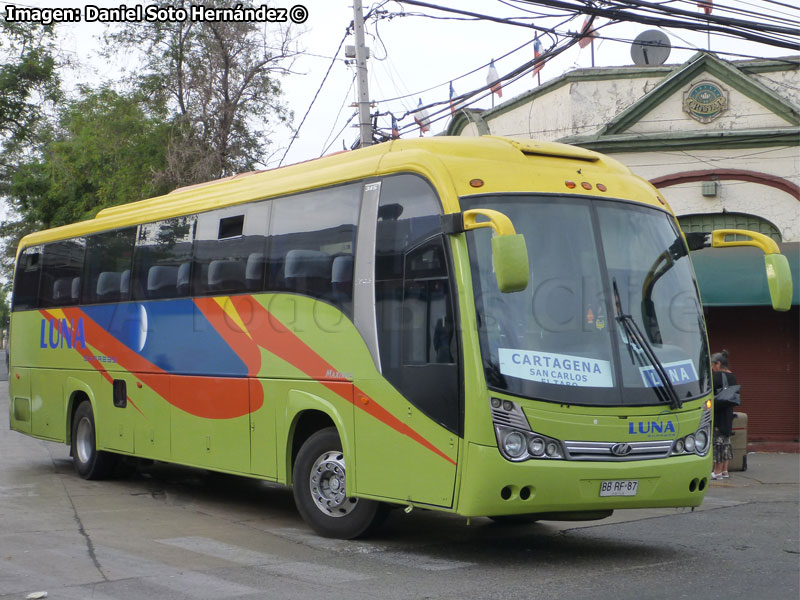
(721, 140)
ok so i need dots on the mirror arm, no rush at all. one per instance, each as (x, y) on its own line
(453, 223)
(698, 240)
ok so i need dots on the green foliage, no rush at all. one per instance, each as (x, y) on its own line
(221, 82)
(28, 80)
(106, 151)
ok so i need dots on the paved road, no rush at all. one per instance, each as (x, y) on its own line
(177, 533)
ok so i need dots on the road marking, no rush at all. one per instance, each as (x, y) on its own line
(200, 585)
(315, 573)
(312, 540)
(209, 547)
(420, 561)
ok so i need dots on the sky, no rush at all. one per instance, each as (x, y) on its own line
(412, 59)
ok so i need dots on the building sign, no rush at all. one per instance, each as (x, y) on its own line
(705, 101)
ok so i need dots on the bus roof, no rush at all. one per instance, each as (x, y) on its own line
(453, 164)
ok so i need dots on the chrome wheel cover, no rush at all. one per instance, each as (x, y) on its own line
(84, 440)
(327, 485)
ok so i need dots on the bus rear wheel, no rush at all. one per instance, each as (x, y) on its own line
(319, 481)
(89, 462)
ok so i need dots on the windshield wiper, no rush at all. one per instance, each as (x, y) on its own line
(665, 392)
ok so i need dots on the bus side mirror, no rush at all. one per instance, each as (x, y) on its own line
(509, 252)
(779, 280)
(779, 277)
(510, 257)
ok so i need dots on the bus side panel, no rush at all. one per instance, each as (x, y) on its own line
(210, 422)
(405, 457)
(296, 399)
(48, 402)
(19, 387)
(150, 415)
(263, 447)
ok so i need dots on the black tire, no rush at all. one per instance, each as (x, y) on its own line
(89, 462)
(322, 503)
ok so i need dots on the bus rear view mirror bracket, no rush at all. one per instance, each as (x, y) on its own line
(509, 252)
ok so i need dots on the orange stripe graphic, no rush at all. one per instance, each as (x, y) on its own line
(287, 346)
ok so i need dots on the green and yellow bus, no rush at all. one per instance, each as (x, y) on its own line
(485, 326)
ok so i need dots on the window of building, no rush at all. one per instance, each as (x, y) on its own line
(712, 221)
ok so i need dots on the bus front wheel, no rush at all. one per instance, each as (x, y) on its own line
(319, 481)
(89, 462)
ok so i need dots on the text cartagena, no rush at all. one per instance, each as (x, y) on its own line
(148, 13)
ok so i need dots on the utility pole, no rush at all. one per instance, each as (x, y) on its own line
(364, 124)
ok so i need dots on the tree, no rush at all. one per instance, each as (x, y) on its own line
(105, 149)
(28, 84)
(220, 80)
(28, 80)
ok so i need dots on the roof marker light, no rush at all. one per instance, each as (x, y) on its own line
(600, 187)
(476, 182)
(586, 185)
(570, 184)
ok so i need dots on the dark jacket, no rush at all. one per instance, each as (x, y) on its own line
(723, 411)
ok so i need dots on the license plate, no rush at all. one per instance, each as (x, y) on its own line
(619, 487)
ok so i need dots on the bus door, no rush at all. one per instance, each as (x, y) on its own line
(407, 445)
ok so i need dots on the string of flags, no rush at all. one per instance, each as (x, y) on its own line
(537, 52)
(493, 80)
(422, 118)
(587, 32)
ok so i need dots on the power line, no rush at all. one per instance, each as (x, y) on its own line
(314, 99)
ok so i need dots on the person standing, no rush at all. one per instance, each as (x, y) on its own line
(723, 415)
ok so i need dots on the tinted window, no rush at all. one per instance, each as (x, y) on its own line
(107, 274)
(163, 258)
(229, 250)
(26, 280)
(414, 309)
(408, 213)
(62, 265)
(312, 238)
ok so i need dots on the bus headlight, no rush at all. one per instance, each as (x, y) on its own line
(514, 444)
(701, 441)
(536, 446)
(515, 438)
(689, 443)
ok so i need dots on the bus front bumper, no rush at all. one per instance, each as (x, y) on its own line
(494, 486)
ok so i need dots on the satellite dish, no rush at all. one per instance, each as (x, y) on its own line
(650, 47)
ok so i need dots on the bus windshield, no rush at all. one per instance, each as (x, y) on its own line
(594, 264)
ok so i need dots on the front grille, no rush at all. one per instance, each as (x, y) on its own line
(602, 451)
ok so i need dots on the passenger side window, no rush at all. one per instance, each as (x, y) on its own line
(162, 260)
(107, 274)
(229, 251)
(312, 238)
(62, 265)
(26, 280)
(429, 333)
